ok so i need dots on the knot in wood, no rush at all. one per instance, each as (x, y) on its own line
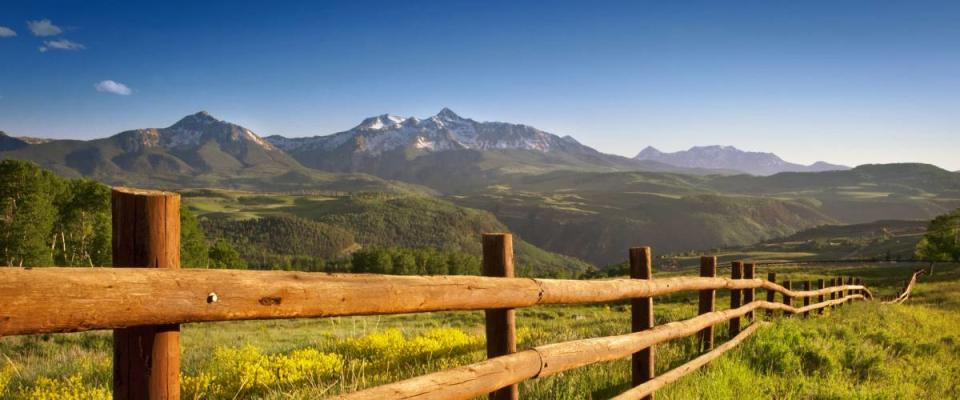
(270, 301)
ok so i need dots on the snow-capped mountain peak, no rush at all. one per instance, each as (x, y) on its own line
(380, 122)
(444, 131)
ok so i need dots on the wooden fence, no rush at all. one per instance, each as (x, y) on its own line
(147, 296)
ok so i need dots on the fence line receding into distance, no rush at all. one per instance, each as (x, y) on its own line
(146, 296)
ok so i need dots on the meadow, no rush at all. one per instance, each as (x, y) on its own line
(864, 350)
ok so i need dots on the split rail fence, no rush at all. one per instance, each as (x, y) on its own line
(147, 296)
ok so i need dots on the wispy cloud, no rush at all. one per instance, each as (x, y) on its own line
(43, 27)
(6, 32)
(61, 44)
(109, 86)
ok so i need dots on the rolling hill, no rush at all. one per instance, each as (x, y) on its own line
(282, 224)
(887, 240)
(8, 142)
(599, 226)
(603, 213)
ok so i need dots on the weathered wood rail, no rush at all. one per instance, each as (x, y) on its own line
(51, 299)
(147, 296)
(907, 290)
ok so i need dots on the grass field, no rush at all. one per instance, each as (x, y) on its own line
(865, 350)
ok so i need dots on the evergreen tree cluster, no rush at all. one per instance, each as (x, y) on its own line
(420, 261)
(282, 235)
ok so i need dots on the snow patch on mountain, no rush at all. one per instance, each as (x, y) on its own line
(190, 132)
(444, 131)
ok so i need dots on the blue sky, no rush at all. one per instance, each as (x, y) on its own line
(843, 81)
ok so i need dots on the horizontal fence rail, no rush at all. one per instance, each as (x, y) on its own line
(109, 298)
(647, 388)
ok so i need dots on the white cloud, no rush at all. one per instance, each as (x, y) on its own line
(43, 27)
(109, 86)
(6, 32)
(61, 44)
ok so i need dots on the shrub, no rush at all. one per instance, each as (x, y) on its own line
(391, 344)
(247, 370)
(72, 388)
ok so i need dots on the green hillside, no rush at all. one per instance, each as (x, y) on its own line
(374, 220)
(888, 240)
(605, 211)
(604, 224)
(460, 171)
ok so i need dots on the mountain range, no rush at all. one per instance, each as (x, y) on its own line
(404, 148)
(452, 153)
(557, 193)
(444, 131)
(732, 158)
(196, 151)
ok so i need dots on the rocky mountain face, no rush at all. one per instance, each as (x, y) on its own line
(449, 153)
(444, 131)
(191, 133)
(732, 158)
(197, 145)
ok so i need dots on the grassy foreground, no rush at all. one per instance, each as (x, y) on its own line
(860, 351)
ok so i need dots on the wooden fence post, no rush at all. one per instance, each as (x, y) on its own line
(501, 325)
(771, 295)
(850, 282)
(833, 295)
(806, 299)
(787, 299)
(641, 267)
(736, 272)
(841, 293)
(820, 285)
(749, 269)
(708, 300)
(146, 234)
